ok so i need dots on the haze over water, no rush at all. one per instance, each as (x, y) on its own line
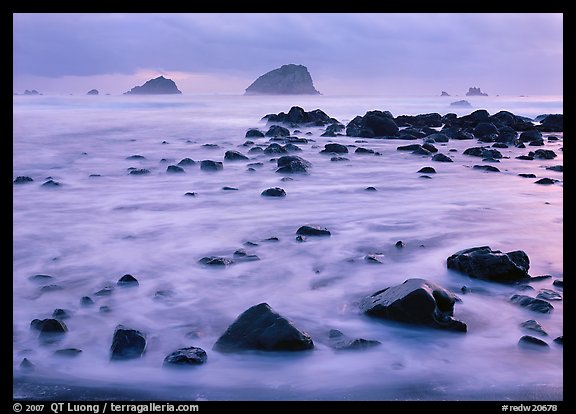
(94, 229)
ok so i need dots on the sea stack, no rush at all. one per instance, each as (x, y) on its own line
(157, 86)
(287, 80)
(475, 92)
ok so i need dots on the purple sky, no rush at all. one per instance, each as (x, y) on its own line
(376, 53)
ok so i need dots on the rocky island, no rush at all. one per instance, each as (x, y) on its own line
(475, 92)
(287, 80)
(157, 86)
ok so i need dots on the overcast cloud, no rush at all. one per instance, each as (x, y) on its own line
(397, 54)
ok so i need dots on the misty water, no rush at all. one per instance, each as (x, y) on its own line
(102, 223)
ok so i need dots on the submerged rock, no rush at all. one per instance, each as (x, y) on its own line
(532, 325)
(337, 340)
(127, 343)
(533, 304)
(292, 164)
(530, 341)
(235, 156)
(416, 301)
(485, 263)
(209, 165)
(22, 179)
(312, 230)
(441, 158)
(216, 261)
(183, 357)
(274, 192)
(261, 328)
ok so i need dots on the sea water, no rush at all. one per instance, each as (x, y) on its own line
(102, 223)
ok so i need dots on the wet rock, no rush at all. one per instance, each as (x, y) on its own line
(104, 309)
(552, 123)
(106, 291)
(399, 244)
(174, 169)
(427, 170)
(68, 352)
(370, 189)
(139, 171)
(483, 152)
(532, 341)
(127, 281)
(186, 162)
(41, 279)
(312, 230)
(416, 301)
(292, 164)
(60, 314)
(441, 158)
(336, 148)
(531, 135)
(410, 147)
(532, 325)
(536, 143)
(558, 283)
(332, 130)
(373, 124)
(136, 157)
(261, 328)
(274, 192)
(485, 263)
(26, 365)
(209, 165)
(211, 146)
(292, 148)
(226, 188)
(362, 150)
(486, 168)
(22, 179)
(254, 133)
(548, 294)
(373, 258)
(127, 344)
(526, 175)
(235, 156)
(277, 131)
(184, 357)
(86, 301)
(559, 340)
(51, 184)
(557, 168)
(421, 151)
(275, 148)
(545, 181)
(429, 147)
(484, 129)
(533, 304)
(543, 154)
(337, 340)
(191, 194)
(216, 261)
(335, 159)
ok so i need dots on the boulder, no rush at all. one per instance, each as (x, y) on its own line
(209, 165)
(292, 164)
(127, 281)
(485, 263)
(339, 341)
(335, 148)
(274, 192)
(312, 230)
(127, 344)
(235, 156)
(441, 158)
(22, 179)
(416, 301)
(185, 357)
(533, 304)
(92, 92)
(261, 328)
(287, 80)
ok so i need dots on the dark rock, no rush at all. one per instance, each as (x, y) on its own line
(92, 92)
(209, 165)
(275, 149)
(339, 159)
(525, 157)
(372, 124)
(313, 230)
(186, 357)
(427, 170)
(525, 175)
(26, 365)
(185, 162)
(277, 131)
(532, 325)
(373, 258)
(437, 137)
(22, 179)
(139, 171)
(483, 152)
(191, 194)
(422, 151)
(51, 183)
(485, 263)
(337, 340)
(543, 154)
(486, 168)
(559, 340)
(292, 148)
(530, 135)
(545, 181)
(287, 80)
(444, 93)
(106, 291)
(226, 188)
(211, 146)
(552, 123)
(362, 150)
(533, 304)
(475, 92)
(336, 148)
(174, 169)
(254, 133)
(333, 130)
(298, 117)
(215, 261)
(370, 189)
(410, 147)
(234, 156)
(530, 341)
(558, 283)
(536, 143)
(261, 328)
(127, 344)
(462, 104)
(441, 158)
(399, 244)
(127, 281)
(33, 92)
(485, 129)
(548, 294)
(104, 309)
(557, 168)
(499, 145)
(60, 314)
(416, 301)
(86, 301)
(68, 352)
(41, 279)
(274, 192)
(50, 288)
(292, 164)
(157, 86)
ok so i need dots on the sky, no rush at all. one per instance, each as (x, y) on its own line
(413, 54)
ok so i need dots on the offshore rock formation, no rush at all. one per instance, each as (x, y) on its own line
(157, 86)
(287, 80)
(475, 92)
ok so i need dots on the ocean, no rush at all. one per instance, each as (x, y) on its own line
(102, 223)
